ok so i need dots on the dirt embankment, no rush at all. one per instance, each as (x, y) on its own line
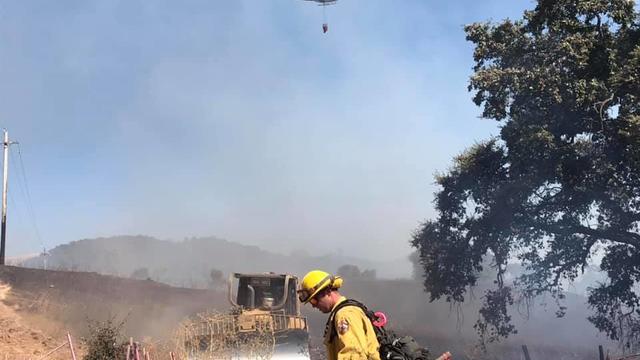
(38, 307)
(18, 339)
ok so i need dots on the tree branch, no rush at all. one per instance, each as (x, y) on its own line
(624, 237)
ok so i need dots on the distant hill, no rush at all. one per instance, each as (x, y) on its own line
(189, 263)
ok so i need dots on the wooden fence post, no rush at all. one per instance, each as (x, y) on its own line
(73, 353)
(47, 354)
(526, 352)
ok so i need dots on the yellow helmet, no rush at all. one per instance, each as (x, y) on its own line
(314, 282)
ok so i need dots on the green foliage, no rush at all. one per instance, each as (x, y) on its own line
(416, 267)
(349, 271)
(140, 274)
(216, 279)
(105, 341)
(561, 183)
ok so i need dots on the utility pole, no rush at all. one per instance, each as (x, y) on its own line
(5, 174)
(44, 258)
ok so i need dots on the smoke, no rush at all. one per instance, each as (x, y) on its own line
(237, 119)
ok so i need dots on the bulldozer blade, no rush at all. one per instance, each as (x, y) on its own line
(291, 346)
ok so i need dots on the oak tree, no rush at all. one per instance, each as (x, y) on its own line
(559, 187)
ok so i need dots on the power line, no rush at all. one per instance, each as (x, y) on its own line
(17, 205)
(30, 210)
(14, 205)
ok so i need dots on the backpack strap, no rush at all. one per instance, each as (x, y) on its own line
(330, 329)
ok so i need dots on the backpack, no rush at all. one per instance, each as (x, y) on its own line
(392, 346)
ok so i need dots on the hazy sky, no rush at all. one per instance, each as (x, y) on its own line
(238, 119)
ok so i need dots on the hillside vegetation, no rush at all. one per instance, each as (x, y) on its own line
(189, 263)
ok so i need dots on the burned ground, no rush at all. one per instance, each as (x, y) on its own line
(47, 304)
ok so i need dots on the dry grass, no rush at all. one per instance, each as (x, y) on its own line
(197, 338)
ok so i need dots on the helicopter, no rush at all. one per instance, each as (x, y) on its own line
(324, 4)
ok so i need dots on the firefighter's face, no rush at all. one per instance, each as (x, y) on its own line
(322, 302)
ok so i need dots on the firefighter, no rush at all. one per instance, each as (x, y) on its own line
(349, 333)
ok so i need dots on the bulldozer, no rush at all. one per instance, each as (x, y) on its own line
(263, 323)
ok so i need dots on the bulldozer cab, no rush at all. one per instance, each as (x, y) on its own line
(269, 291)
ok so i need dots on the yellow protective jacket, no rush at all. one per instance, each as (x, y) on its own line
(350, 336)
